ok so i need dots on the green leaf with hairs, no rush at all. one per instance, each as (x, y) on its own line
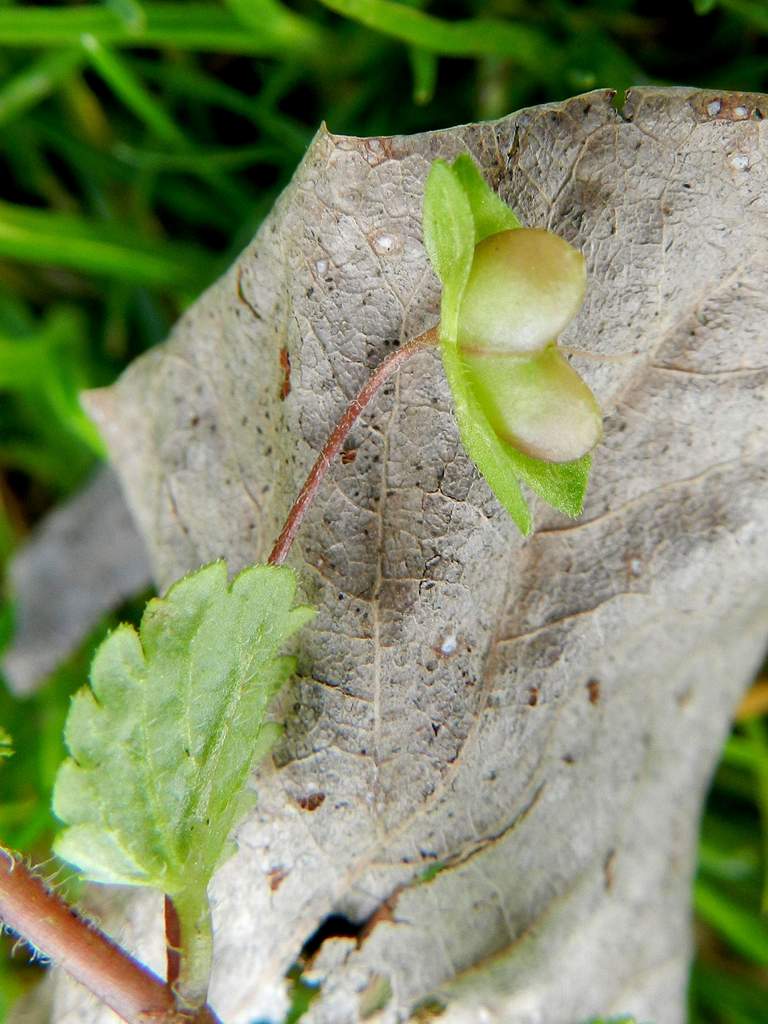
(163, 740)
(563, 485)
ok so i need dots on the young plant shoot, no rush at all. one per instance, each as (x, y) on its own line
(164, 739)
(523, 413)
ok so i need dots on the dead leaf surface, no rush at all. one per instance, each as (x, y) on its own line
(511, 737)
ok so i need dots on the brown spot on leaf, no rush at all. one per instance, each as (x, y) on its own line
(593, 690)
(608, 865)
(285, 366)
(683, 698)
(310, 802)
(533, 696)
(276, 877)
(384, 912)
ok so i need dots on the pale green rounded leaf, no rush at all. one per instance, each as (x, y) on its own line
(484, 447)
(524, 288)
(538, 405)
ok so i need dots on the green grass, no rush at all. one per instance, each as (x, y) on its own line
(142, 143)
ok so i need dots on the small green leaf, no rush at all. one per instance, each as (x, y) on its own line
(449, 238)
(562, 485)
(163, 740)
(491, 214)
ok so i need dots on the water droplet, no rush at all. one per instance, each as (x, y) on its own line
(713, 108)
(635, 566)
(321, 267)
(741, 112)
(384, 244)
(740, 161)
(449, 645)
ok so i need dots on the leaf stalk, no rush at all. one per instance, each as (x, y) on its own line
(189, 964)
(129, 988)
(333, 445)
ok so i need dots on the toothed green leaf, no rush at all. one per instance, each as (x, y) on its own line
(163, 740)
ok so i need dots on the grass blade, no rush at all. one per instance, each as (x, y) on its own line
(62, 240)
(188, 26)
(467, 38)
(742, 928)
(127, 87)
(37, 81)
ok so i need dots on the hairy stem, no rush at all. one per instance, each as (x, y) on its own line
(58, 931)
(195, 948)
(332, 446)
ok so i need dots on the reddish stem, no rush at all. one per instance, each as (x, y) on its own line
(30, 909)
(172, 942)
(332, 446)
(133, 991)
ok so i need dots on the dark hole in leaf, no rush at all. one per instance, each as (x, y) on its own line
(335, 926)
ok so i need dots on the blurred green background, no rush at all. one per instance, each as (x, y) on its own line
(142, 143)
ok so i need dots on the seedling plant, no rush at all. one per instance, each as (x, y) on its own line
(164, 738)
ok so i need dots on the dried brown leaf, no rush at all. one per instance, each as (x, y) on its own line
(564, 826)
